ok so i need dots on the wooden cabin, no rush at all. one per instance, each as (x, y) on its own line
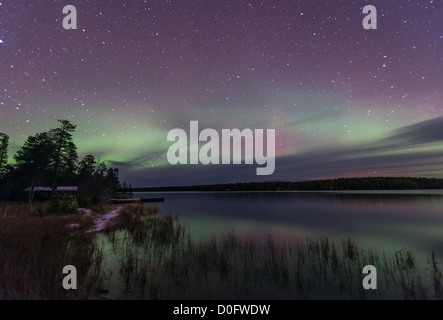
(45, 193)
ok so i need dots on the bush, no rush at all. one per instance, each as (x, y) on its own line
(64, 204)
(84, 202)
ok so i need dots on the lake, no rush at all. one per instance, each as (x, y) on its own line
(384, 220)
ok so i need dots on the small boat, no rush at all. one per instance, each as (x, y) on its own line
(123, 195)
(153, 199)
(124, 201)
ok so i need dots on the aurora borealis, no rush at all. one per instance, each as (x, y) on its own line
(344, 101)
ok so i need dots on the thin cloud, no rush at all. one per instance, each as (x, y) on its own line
(386, 156)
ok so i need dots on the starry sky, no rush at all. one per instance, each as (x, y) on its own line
(344, 101)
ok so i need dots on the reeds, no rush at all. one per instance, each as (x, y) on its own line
(34, 250)
(437, 277)
(157, 260)
(150, 255)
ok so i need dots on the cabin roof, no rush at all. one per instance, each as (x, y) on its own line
(39, 189)
(60, 188)
(66, 188)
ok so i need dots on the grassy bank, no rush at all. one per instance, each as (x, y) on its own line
(35, 248)
(150, 255)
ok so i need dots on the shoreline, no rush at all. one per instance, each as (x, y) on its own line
(101, 221)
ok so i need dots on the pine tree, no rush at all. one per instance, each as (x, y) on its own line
(34, 161)
(4, 142)
(86, 167)
(65, 152)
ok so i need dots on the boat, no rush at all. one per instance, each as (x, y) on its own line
(123, 195)
(153, 199)
(124, 201)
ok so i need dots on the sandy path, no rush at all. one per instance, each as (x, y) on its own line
(101, 220)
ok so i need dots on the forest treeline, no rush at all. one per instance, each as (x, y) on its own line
(49, 159)
(370, 183)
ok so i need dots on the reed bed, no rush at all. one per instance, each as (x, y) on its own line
(156, 259)
(146, 254)
(34, 250)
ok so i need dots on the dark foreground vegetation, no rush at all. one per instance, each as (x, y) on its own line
(370, 183)
(150, 255)
(49, 159)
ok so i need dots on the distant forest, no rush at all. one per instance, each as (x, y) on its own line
(372, 183)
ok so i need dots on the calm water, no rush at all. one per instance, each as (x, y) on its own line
(386, 220)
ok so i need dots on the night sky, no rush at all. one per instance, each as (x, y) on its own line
(344, 101)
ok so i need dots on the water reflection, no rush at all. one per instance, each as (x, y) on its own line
(387, 220)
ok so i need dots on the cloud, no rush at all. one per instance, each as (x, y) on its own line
(420, 133)
(387, 156)
(141, 161)
(186, 175)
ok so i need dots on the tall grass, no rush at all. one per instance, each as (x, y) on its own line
(150, 255)
(157, 260)
(34, 250)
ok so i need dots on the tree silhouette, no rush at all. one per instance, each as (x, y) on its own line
(95, 181)
(4, 142)
(34, 161)
(86, 167)
(65, 153)
(49, 159)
